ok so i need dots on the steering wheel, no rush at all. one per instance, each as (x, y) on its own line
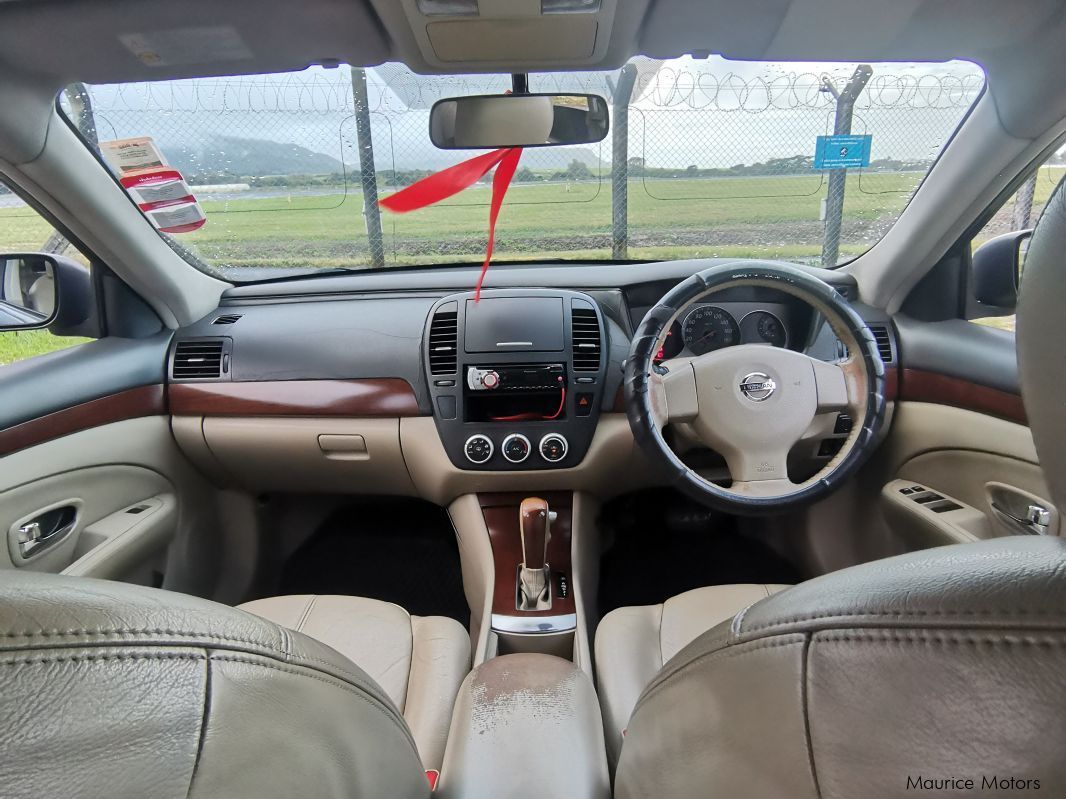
(752, 403)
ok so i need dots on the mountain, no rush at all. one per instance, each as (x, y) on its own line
(232, 156)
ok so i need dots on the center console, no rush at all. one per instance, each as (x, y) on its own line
(526, 727)
(516, 378)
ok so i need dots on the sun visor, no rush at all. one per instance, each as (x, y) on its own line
(552, 38)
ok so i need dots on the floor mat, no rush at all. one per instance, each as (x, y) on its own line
(398, 551)
(665, 544)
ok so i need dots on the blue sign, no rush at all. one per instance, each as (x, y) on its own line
(842, 152)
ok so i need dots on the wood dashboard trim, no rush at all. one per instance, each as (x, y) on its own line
(918, 385)
(129, 404)
(500, 511)
(390, 397)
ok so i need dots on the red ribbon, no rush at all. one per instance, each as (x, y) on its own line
(442, 185)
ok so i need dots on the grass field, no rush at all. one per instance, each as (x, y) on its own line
(738, 217)
(28, 343)
(774, 217)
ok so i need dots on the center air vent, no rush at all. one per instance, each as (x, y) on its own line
(444, 340)
(585, 327)
(884, 342)
(199, 359)
(227, 319)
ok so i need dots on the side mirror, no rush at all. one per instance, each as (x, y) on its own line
(997, 270)
(43, 291)
(517, 120)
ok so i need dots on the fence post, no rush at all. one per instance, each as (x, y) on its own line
(620, 96)
(367, 173)
(1023, 203)
(834, 201)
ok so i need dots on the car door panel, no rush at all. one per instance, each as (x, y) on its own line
(95, 494)
(959, 428)
(77, 388)
(107, 469)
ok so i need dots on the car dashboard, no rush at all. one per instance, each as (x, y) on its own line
(402, 383)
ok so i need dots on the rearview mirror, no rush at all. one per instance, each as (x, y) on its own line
(517, 120)
(27, 291)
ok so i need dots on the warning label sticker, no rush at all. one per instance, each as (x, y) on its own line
(128, 155)
(159, 190)
(178, 218)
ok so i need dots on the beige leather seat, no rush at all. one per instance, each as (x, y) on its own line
(419, 661)
(939, 664)
(632, 644)
(116, 690)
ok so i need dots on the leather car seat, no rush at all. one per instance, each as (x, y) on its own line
(945, 663)
(117, 690)
(419, 661)
(633, 643)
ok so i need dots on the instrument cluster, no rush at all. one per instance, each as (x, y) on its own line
(707, 327)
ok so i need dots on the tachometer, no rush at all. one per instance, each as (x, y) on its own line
(710, 328)
(763, 327)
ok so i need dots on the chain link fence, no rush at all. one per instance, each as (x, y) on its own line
(706, 162)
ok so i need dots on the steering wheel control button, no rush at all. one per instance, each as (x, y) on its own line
(757, 386)
(553, 447)
(478, 448)
(516, 448)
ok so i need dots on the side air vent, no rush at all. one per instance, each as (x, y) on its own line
(200, 359)
(884, 342)
(227, 319)
(585, 327)
(444, 341)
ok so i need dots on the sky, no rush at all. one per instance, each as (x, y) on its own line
(711, 112)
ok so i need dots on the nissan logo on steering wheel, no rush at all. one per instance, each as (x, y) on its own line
(757, 386)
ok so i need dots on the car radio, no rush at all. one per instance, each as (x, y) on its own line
(518, 377)
(517, 380)
(515, 392)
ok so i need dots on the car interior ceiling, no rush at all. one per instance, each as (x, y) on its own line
(618, 516)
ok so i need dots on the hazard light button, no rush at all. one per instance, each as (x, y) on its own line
(583, 404)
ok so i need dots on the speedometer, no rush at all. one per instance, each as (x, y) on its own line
(710, 328)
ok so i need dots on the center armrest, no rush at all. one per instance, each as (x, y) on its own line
(526, 726)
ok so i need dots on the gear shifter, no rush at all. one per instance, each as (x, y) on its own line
(534, 517)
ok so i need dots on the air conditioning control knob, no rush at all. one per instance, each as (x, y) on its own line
(478, 448)
(553, 447)
(516, 448)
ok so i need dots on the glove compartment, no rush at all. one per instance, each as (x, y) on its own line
(325, 455)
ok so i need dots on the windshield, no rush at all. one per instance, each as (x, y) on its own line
(808, 163)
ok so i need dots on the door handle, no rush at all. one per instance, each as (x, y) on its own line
(46, 530)
(1036, 518)
(1021, 511)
